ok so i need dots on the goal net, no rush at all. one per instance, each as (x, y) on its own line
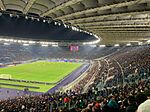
(5, 76)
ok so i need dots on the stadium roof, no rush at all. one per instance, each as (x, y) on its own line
(115, 21)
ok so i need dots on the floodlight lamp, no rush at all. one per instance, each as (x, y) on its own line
(15, 41)
(116, 45)
(102, 45)
(55, 23)
(44, 45)
(59, 24)
(55, 45)
(19, 41)
(44, 20)
(32, 42)
(25, 44)
(32, 18)
(11, 15)
(6, 43)
(129, 44)
(26, 17)
(38, 19)
(140, 43)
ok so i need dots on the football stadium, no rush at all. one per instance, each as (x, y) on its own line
(74, 56)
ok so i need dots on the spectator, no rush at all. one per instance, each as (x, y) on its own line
(132, 104)
(145, 107)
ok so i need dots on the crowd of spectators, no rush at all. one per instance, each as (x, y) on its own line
(134, 59)
(130, 98)
(116, 68)
(14, 53)
(17, 52)
(119, 82)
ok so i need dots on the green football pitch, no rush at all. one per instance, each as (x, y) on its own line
(50, 72)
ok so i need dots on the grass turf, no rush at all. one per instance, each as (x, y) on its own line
(38, 71)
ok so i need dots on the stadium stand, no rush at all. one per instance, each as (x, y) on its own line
(17, 52)
(111, 85)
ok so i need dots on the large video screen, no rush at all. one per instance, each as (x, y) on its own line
(74, 48)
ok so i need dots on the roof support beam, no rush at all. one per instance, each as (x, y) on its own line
(100, 9)
(2, 6)
(105, 16)
(118, 26)
(114, 21)
(122, 29)
(28, 6)
(123, 35)
(66, 4)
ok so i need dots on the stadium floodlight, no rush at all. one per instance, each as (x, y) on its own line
(129, 44)
(81, 30)
(44, 45)
(55, 45)
(84, 43)
(31, 42)
(76, 29)
(92, 42)
(11, 15)
(24, 41)
(14, 40)
(65, 25)
(25, 44)
(91, 34)
(37, 42)
(6, 43)
(59, 24)
(48, 43)
(19, 41)
(38, 19)
(26, 17)
(73, 28)
(116, 45)
(32, 18)
(102, 45)
(55, 23)
(140, 43)
(7, 40)
(11, 40)
(44, 20)
(28, 42)
(148, 41)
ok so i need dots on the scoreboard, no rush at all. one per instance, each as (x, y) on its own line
(74, 48)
